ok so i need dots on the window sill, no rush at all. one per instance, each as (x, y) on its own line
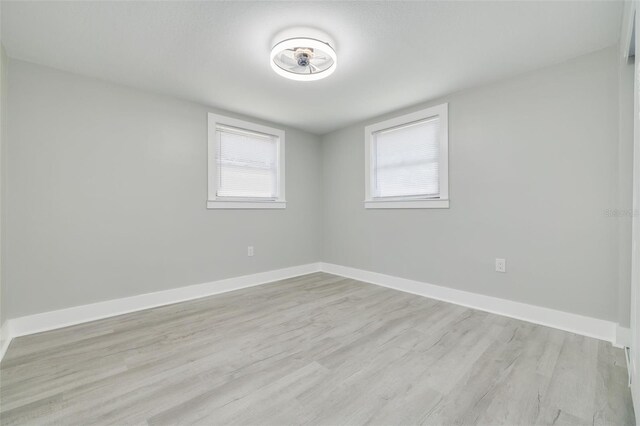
(406, 204)
(246, 205)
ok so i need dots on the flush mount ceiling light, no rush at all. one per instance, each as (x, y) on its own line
(303, 59)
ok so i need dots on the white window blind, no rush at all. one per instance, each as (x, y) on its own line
(247, 164)
(406, 160)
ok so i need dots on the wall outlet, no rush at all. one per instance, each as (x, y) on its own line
(250, 251)
(501, 265)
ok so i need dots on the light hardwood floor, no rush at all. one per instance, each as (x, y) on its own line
(317, 349)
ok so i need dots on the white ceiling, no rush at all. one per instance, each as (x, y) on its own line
(390, 54)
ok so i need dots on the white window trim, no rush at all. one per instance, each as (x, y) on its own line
(215, 202)
(442, 202)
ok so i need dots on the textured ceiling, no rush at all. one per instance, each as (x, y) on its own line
(390, 54)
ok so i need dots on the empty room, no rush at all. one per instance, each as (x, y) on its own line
(319, 213)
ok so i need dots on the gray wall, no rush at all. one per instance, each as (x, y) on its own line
(625, 190)
(3, 129)
(107, 194)
(533, 168)
(107, 187)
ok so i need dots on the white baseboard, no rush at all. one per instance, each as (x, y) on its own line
(79, 314)
(5, 338)
(574, 323)
(591, 327)
(623, 337)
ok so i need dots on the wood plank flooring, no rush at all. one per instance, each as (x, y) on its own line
(317, 350)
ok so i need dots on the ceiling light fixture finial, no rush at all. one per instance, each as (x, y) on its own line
(303, 59)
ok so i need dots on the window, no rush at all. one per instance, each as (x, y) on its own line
(407, 161)
(246, 165)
